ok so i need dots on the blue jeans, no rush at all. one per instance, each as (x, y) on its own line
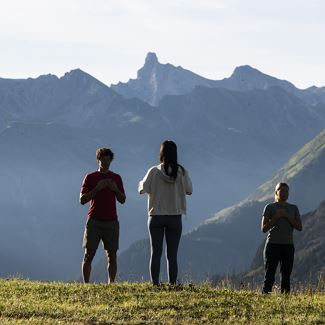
(169, 226)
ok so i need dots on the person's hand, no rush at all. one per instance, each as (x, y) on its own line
(112, 185)
(102, 184)
(107, 182)
(289, 218)
(279, 213)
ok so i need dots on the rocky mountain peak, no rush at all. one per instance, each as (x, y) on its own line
(151, 59)
(149, 67)
(246, 71)
(245, 78)
(79, 78)
(75, 73)
(48, 76)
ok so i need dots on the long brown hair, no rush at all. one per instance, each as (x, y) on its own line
(168, 156)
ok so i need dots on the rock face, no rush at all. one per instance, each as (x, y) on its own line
(155, 80)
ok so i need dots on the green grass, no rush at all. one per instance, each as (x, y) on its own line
(27, 302)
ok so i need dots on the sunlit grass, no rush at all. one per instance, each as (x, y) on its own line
(26, 302)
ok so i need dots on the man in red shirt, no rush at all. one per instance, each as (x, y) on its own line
(101, 188)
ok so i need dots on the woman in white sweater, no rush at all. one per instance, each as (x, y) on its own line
(166, 185)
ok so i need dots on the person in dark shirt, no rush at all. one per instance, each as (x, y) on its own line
(101, 188)
(279, 220)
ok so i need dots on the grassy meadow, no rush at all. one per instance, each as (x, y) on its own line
(27, 302)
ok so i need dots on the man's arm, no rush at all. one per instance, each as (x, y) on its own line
(86, 197)
(120, 196)
(268, 223)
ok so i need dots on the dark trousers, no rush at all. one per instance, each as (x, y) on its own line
(273, 255)
(170, 227)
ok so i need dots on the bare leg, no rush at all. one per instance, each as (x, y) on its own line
(86, 264)
(111, 266)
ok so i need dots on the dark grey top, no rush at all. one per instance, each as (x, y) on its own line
(282, 231)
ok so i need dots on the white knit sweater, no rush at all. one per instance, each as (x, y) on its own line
(166, 196)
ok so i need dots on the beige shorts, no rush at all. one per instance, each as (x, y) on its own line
(105, 231)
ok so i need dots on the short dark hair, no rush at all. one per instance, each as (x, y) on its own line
(279, 185)
(102, 152)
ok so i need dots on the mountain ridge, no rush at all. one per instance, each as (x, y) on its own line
(155, 80)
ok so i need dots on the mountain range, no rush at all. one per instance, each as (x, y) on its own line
(231, 140)
(155, 81)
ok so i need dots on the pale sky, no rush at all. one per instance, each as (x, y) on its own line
(109, 39)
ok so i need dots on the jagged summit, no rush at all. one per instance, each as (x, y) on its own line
(151, 59)
(245, 78)
(156, 80)
(248, 74)
(80, 77)
(44, 78)
(150, 65)
(49, 75)
(75, 73)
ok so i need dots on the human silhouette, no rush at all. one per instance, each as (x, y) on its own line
(279, 220)
(166, 184)
(101, 188)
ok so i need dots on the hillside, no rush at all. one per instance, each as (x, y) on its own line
(24, 302)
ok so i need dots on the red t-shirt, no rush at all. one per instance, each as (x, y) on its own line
(103, 205)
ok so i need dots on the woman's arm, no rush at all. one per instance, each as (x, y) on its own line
(188, 183)
(145, 184)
